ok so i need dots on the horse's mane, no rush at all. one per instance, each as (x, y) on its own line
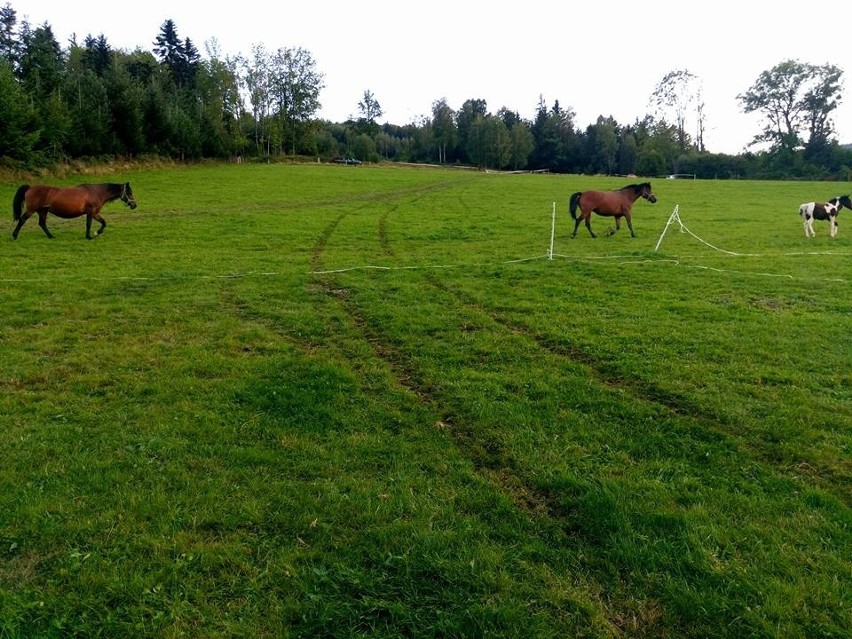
(637, 187)
(110, 185)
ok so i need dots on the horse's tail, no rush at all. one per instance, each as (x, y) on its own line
(575, 200)
(18, 202)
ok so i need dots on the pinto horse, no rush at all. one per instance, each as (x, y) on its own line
(611, 203)
(70, 202)
(811, 211)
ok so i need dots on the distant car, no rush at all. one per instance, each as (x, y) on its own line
(343, 160)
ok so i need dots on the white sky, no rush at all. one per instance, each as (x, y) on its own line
(601, 58)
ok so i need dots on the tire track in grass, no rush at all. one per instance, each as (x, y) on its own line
(609, 375)
(318, 250)
(606, 373)
(756, 462)
(488, 457)
(578, 518)
(603, 372)
(562, 522)
(568, 522)
(491, 462)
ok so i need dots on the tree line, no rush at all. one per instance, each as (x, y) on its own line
(91, 100)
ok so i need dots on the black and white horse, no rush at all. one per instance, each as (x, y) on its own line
(823, 211)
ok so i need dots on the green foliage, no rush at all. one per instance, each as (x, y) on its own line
(93, 100)
(42, 66)
(317, 400)
(179, 56)
(650, 162)
(88, 107)
(17, 128)
(797, 100)
(364, 147)
(9, 44)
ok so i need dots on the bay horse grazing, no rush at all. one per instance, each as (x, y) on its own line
(67, 202)
(609, 203)
(811, 211)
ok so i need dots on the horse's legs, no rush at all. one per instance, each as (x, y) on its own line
(589, 224)
(90, 215)
(579, 219)
(833, 221)
(576, 226)
(21, 222)
(617, 226)
(42, 222)
(629, 225)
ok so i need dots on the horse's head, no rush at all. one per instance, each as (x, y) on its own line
(842, 201)
(646, 192)
(127, 196)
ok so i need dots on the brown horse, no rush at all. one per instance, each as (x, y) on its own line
(613, 203)
(85, 199)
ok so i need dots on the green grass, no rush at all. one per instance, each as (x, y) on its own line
(301, 401)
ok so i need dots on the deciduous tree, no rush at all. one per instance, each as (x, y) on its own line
(369, 108)
(677, 94)
(796, 100)
(444, 128)
(295, 85)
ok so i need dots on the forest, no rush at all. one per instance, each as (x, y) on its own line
(89, 101)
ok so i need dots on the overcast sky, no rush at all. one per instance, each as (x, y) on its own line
(601, 58)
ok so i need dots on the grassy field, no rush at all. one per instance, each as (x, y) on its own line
(330, 401)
